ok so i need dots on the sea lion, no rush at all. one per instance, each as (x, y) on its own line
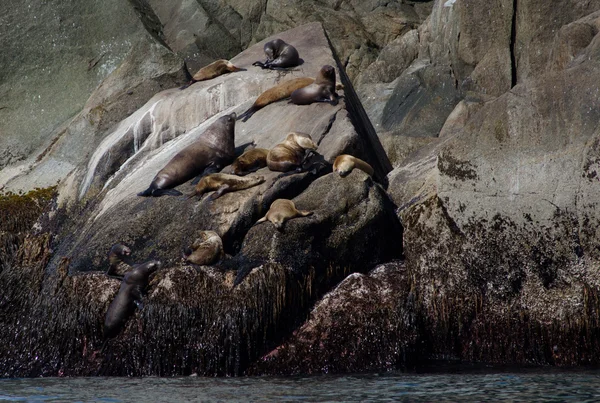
(213, 70)
(207, 249)
(344, 164)
(277, 93)
(290, 154)
(130, 293)
(279, 55)
(116, 256)
(214, 149)
(224, 183)
(322, 90)
(282, 210)
(250, 161)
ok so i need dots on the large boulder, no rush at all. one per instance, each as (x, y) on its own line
(147, 68)
(367, 323)
(51, 48)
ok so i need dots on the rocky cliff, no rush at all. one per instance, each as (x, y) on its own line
(480, 245)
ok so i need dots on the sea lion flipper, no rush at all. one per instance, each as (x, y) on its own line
(220, 192)
(262, 220)
(246, 115)
(165, 192)
(146, 193)
(210, 169)
(305, 213)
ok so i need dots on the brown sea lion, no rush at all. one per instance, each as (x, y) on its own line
(250, 161)
(130, 293)
(344, 164)
(213, 70)
(224, 183)
(282, 210)
(116, 256)
(290, 154)
(214, 149)
(279, 55)
(322, 90)
(207, 249)
(277, 93)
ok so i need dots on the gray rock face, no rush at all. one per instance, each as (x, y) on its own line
(146, 69)
(53, 55)
(503, 206)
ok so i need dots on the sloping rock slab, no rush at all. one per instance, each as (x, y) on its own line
(129, 157)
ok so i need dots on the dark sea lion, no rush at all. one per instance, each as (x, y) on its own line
(290, 154)
(277, 93)
(344, 164)
(224, 183)
(131, 291)
(250, 161)
(279, 55)
(282, 210)
(211, 71)
(322, 90)
(214, 149)
(116, 260)
(207, 249)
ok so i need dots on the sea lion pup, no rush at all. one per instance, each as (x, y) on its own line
(214, 149)
(116, 256)
(224, 183)
(290, 154)
(279, 55)
(277, 93)
(213, 70)
(207, 249)
(250, 161)
(322, 90)
(344, 164)
(282, 210)
(130, 293)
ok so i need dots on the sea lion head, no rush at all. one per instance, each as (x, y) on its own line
(117, 252)
(343, 165)
(228, 120)
(141, 273)
(303, 140)
(272, 48)
(326, 74)
(231, 67)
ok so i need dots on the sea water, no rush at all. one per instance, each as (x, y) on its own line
(531, 386)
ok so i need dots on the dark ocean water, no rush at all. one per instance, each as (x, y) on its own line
(580, 386)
